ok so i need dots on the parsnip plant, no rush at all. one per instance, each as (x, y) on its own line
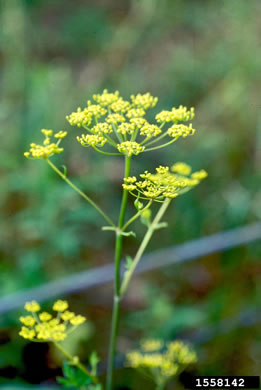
(113, 126)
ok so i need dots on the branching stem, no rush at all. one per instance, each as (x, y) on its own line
(117, 282)
(75, 362)
(160, 146)
(68, 181)
(137, 215)
(143, 245)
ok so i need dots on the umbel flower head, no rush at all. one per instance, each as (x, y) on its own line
(43, 326)
(161, 361)
(165, 183)
(115, 123)
(48, 147)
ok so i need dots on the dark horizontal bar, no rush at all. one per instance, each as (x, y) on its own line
(85, 280)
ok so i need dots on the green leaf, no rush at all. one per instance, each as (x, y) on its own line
(160, 225)
(138, 204)
(128, 263)
(104, 228)
(68, 371)
(94, 360)
(128, 234)
(145, 217)
(74, 377)
(64, 170)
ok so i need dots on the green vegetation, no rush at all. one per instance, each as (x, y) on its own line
(195, 53)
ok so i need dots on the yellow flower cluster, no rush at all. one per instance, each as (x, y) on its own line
(120, 123)
(80, 117)
(176, 115)
(129, 148)
(48, 148)
(180, 130)
(165, 183)
(144, 101)
(150, 130)
(161, 361)
(46, 327)
(93, 140)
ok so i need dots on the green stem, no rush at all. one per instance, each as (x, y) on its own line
(145, 241)
(160, 386)
(117, 282)
(118, 135)
(77, 364)
(136, 216)
(110, 140)
(106, 153)
(157, 139)
(161, 146)
(65, 178)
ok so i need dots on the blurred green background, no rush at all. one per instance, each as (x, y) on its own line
(54, 55)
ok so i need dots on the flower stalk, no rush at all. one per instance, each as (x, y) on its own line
(117, 281)
(152, 227)
(74, 361)
(83, 195)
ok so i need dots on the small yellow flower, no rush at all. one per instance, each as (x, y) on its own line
(54, 322)
(77, 320)
(180, 130)
(27, 333)
(163, 116)
(44, 316)
(106, 98)
(151, 345)
(182, 114)
(169, 369)
(28, 320)
(59, 336)
(129, 148)
(67, 315)
(150, 130)
(181, 353)
(91, 140)
(144, 101)
(103, 127)
(120, 106)
(47, 133)
(32, 306)
(43, 331)
(126, 128)
(130, 179)
(61, 134)
(115, 118)
(60, 328)
(182, 168)
(96, 110)
(60, 305)
(175, 115)
(135, 113)
(129, 187)
(80, 117)
(139, 122)
(199, 175)
(134, 359)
